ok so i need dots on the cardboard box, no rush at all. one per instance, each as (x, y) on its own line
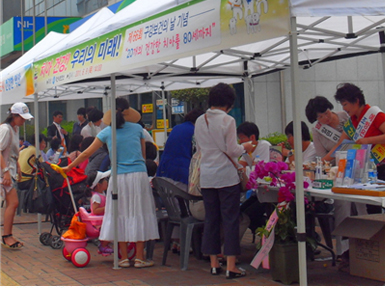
(366, 245)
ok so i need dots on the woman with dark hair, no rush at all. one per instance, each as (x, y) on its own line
(10, 169)
(95, 124)
(216, 138)
(136, 208)
(329, 126)
(326, 134)
(74, 147)
(179, 148)
(366, 124)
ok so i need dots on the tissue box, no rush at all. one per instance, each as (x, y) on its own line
(322, 184)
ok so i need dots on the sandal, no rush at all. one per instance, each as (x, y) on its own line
(233, 275)
(142, 264)
(105, 250)
(15, 246)
(124, 263)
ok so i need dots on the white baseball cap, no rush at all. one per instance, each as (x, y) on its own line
(21, 109)
(100, 176)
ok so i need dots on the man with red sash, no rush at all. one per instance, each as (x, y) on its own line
(366, 124)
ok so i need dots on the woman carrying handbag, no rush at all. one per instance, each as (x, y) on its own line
(219, 179)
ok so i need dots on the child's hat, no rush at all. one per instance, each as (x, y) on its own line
(100, 176)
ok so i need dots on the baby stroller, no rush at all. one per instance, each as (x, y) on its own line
(74, 250)
(63, 209)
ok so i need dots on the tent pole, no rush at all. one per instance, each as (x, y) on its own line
(164, 114)
(37, 145)
(382, 49)
(45, 18)
(283, 98)
(22, 25)
(34, 22)
(299, 192)
(249, 100)
(248, 95)
(114, 171)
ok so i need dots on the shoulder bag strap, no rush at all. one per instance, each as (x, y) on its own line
(231, 160)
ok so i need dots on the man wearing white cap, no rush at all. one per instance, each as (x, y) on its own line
(10, 170)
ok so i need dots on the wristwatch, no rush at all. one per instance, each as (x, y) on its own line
(291, 152)
(6, 169)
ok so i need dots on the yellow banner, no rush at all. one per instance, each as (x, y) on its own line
(147, 108)
(160, 123)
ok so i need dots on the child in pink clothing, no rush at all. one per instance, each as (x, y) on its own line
(98, 183)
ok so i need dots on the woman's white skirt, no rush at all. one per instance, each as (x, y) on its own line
(136, 210)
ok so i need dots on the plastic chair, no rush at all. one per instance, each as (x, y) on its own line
(162, 218)
(178, 215)
(93, 223)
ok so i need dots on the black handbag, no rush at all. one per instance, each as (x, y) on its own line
(39, 197)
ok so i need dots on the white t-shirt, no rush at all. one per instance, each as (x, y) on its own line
(91, 130)
(96, 198)
(9, 147)
(147, 136)
(263, 151)
(308, 155)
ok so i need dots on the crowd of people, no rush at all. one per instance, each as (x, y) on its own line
(213, 133)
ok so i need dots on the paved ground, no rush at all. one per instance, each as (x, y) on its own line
(37, 264)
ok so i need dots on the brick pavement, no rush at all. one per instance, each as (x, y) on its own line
(37, 264)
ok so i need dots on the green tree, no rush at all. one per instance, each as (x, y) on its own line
(195, 97)
(30, 129)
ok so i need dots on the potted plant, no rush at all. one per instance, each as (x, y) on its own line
(284, 253)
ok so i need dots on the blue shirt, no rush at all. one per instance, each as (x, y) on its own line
(177, 154)
(77, 128)
(50, 153)
(129, 149)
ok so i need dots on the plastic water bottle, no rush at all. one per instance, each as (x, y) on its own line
(257, 159)
(372, 171)
(57, 155)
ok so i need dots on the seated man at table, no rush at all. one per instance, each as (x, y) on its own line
(255, 210)
(249, 132)
(308, 149)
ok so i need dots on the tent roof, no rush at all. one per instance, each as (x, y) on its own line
(349, 28)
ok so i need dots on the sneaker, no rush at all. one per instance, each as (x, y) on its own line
(142, 264)
(105, 250)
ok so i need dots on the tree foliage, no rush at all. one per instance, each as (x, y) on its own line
(30, 129)
(196, 97)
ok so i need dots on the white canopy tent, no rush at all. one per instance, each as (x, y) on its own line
(318, 30)
(320, 37)
(17, 73)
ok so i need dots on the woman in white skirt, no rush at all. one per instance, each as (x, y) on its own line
(136, 208)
